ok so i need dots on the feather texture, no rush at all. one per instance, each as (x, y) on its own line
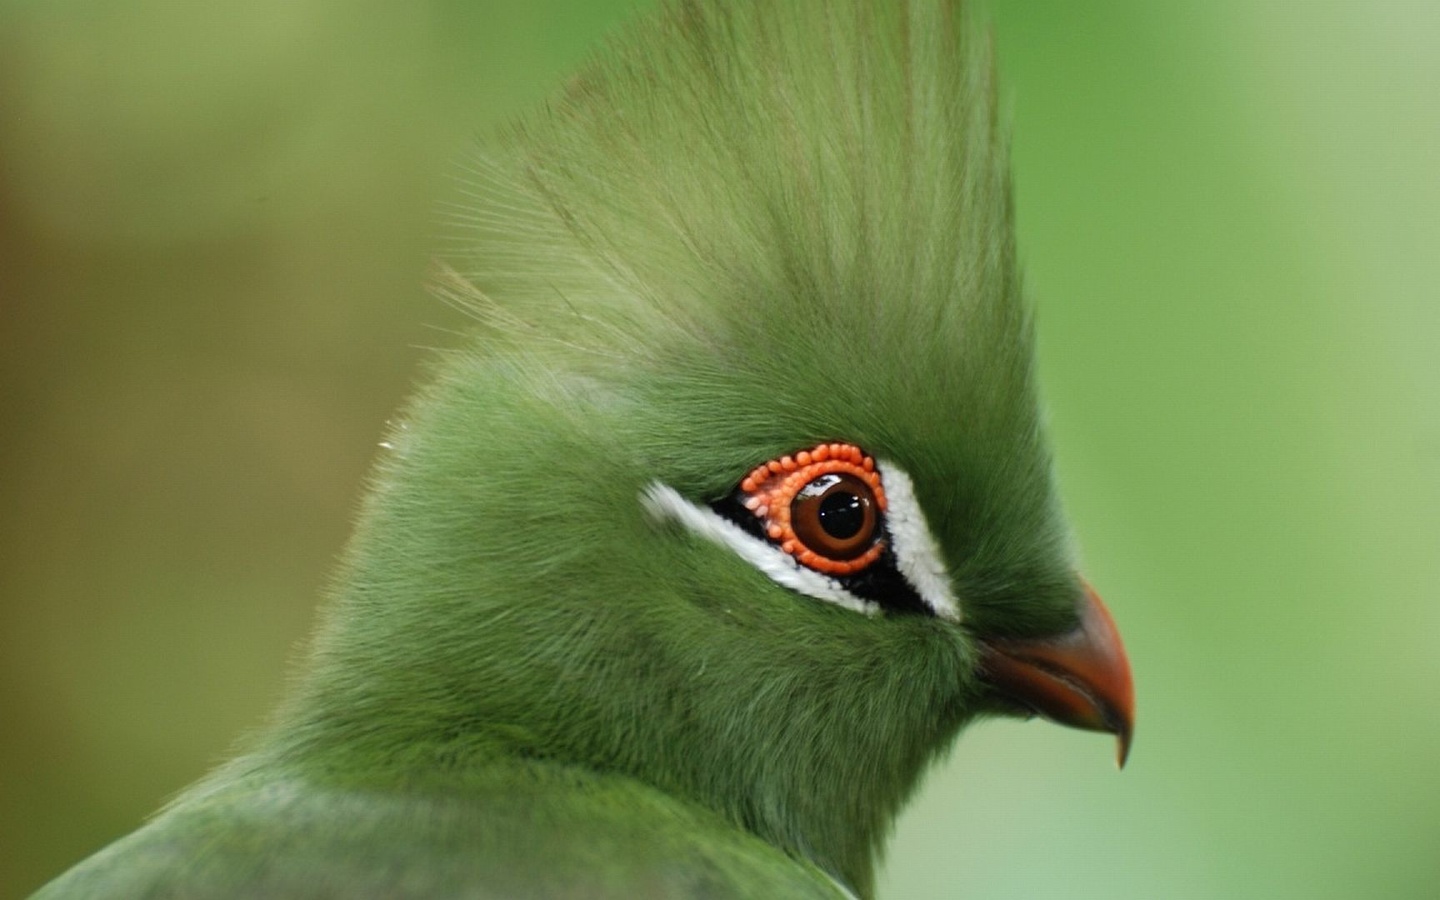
(744, 228)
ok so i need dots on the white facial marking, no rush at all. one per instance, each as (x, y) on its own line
(917, 556)
(664, 504)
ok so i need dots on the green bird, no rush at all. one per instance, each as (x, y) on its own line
(735, 510)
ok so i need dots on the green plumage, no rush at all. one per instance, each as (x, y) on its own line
(748, 227)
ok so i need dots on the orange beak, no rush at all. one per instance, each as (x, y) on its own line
(1080, 678)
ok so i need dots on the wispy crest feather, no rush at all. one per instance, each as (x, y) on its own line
(758, 162)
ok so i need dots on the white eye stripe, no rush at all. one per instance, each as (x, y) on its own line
(917, 557)
(664, 504)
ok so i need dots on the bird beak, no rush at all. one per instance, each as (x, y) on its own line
(1080, 678)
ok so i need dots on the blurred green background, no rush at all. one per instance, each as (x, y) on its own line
(214, 226)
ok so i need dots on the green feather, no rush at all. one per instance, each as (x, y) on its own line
(744, 229)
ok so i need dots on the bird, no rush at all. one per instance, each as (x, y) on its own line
(733, 510)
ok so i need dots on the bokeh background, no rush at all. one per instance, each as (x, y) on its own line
(215, 221)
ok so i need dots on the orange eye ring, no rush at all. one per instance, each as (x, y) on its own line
(822, 506)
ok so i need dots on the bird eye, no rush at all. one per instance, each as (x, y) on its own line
(834, 515)
(822, 506)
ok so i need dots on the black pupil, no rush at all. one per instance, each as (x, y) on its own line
(842, 514)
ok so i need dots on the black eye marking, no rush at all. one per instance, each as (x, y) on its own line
(825, 507)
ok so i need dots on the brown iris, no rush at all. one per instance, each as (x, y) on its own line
(821, 505)
(834, 516)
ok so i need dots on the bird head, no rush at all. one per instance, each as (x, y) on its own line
(741, 488)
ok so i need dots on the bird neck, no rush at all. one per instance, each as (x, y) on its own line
(823, 785)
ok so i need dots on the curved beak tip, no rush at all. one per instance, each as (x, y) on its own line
(1080, 678)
